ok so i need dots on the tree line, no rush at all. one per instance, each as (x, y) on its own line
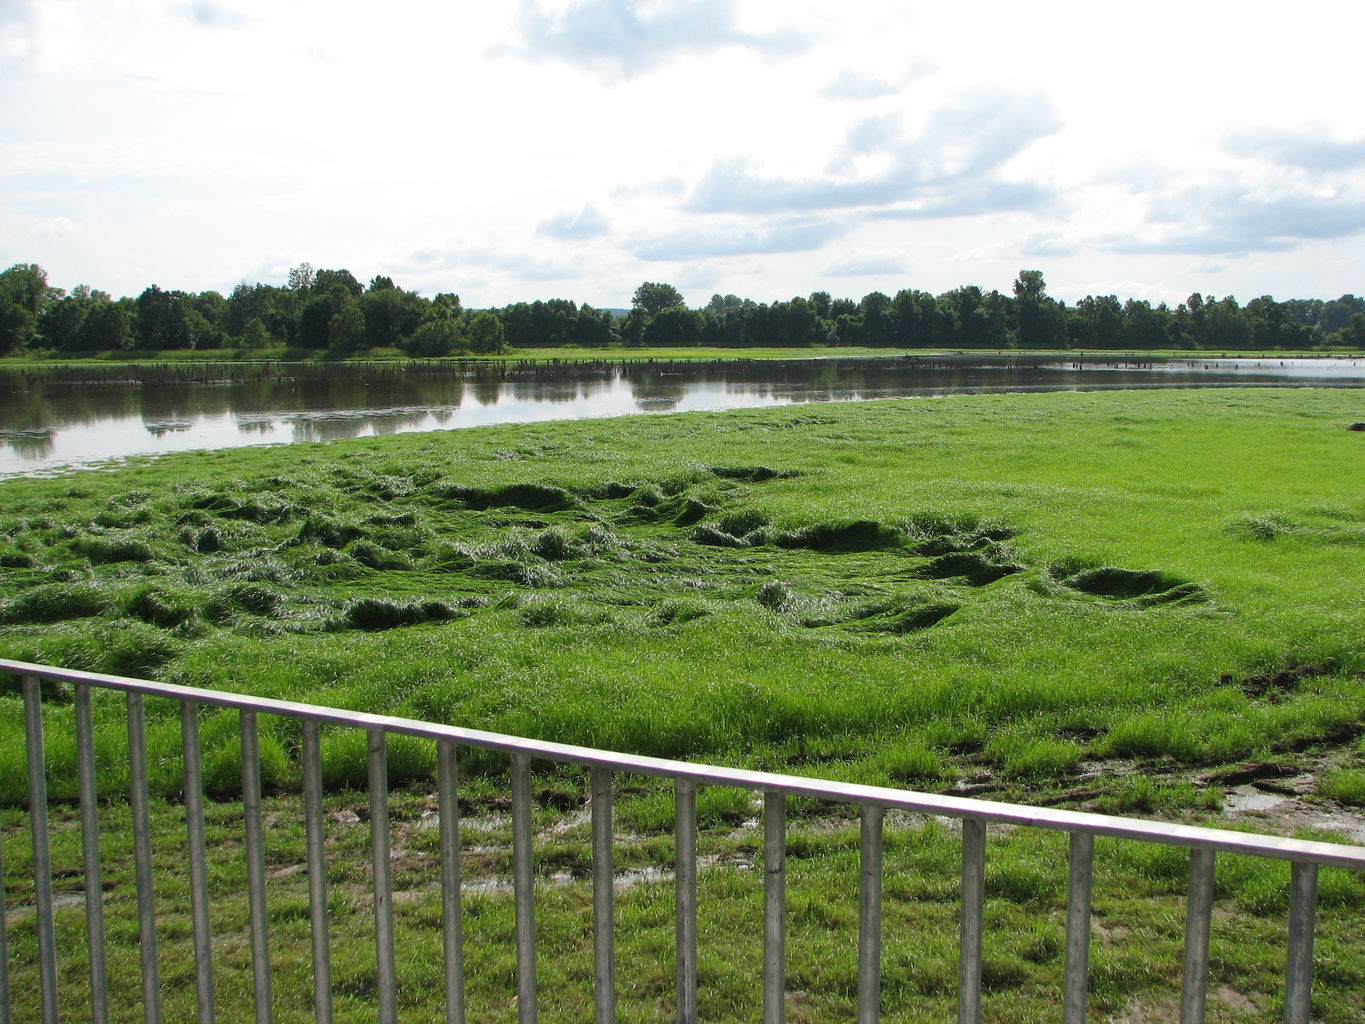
(330, 312)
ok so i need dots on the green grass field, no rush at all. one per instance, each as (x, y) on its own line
(1005, 592)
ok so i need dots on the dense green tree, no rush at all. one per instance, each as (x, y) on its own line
(1145, 327)
(794, 324)
(1223, 327)
(446, 306)
(654, 297)
(633, 328)
(255, 336)
(434, 338)
(160, 322)
(1097, 322)
(107, 327)
(594, 328)
(316, 318)
(246, 303)
(1040, 321)
(59, 326)
(976, 319)
(392, 314)
(16, 327)
(23, 296)
(674, 326)
(921, 321)
(486, 334)
(25, 284)
(347, 332)
(1352, 335)
(878, 320)
(325, 281)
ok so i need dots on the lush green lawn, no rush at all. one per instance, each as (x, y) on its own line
(1007, 588)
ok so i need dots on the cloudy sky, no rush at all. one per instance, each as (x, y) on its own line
(524, 149)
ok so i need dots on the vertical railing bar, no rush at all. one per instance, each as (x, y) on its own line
(4, 943)
(255, 866)
(973, 916)
(774, 906)
(198, 860)
(42, 855)
(142, 858)
(316, 839)
(870, 914)
(1303, 902)
(685, 890)
(1198, 915)
(523, 885)
(383, 875)
(452, 926)
(90, 856)
(1079, 885)
(603, 898)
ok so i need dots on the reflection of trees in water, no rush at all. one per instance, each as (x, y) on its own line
(310, 429)
(488, 388)
(398, 424)
(255, 426)
(332, 428)
(31, 444)
(551, 392)
(658, 392)
(160, 428)
(44, 406)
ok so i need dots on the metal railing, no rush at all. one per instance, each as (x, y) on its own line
(1204, 843)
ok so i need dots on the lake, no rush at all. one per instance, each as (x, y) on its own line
(53, 418)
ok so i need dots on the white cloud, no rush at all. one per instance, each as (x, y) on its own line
(586, 222)
(623, 38)
(713, 137)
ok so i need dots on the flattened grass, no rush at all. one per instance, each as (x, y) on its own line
(1077, 576)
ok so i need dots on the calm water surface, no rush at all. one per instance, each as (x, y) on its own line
(52, 418)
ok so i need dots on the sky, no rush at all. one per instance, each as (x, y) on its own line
(532, 149)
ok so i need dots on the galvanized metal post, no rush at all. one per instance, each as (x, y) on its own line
(452, 927)
(774, 907)
(603, 899)
(523, 887)
(255, 866)
(383, 876)
(42, 857)
(973, 916)
(1303, 902)
(870, 914)
(142, 858)
(90, 857)
(1198, 916)
(4, 943)
(1079, 883)
(316, 838)
(685, 888)
(198, 860)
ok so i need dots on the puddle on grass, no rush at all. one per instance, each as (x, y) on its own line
(1249, 798)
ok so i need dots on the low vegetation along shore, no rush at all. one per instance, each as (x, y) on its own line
(1104, 599)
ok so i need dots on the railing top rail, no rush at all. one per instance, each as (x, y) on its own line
(1171, 834)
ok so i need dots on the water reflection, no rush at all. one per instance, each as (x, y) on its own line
(52, 417)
